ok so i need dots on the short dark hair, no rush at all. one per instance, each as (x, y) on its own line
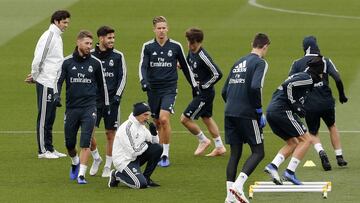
(59, 15)
(83, 34)
(194, 35)
(260, 40)
(104, 30)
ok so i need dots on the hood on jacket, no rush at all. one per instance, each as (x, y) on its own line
(310, 45)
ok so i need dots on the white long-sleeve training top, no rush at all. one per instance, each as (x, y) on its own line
(130, 142)
(48, 57)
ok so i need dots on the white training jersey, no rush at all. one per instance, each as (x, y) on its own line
(130, 142)
(48, 57)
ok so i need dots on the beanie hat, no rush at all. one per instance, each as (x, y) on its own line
(140, 108)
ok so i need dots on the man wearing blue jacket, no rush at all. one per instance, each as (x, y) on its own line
(158, 77)
(320, 103)
(114, 67)
(84, 78)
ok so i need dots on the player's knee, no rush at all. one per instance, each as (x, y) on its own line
(164, 121)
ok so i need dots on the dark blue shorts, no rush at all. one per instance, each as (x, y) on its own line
(76, 118)
(111, 121)
(313, 119)
(242, 130)
(161, 100)
(201, 105)
(285, 124)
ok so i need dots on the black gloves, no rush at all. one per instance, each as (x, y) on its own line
(145, 86)
(298, 109)
(152, 129)
(117, 99)
(343, 98)
(57, 100)
(261, 118)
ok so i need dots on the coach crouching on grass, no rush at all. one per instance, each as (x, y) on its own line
(134, 145)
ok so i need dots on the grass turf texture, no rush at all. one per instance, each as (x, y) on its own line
(229, 28)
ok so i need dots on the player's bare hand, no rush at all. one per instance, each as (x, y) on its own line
(29, 79)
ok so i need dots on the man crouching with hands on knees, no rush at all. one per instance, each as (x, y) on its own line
(134, 145)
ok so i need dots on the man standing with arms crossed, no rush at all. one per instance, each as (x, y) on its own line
(114, 66)
(84, 78)
(206, 74)
(47, 61)
(244, 117)
(158, 77)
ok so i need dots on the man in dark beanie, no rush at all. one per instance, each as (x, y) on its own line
(320, 103)
(135, 145)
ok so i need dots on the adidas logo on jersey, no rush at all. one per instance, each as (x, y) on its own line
(154, 53)
(74, 68)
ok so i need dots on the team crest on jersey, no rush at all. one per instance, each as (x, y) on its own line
(90, 69)
(94, 115)
(111, 63)
(135, 171)
(195, 65)
(169, 53)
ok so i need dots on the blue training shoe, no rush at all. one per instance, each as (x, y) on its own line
(273, 173)
(74, 171)
(289, 176)
(164, 161)
(81, 180)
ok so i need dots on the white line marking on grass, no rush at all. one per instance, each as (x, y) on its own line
(254, 3)
(174, 132)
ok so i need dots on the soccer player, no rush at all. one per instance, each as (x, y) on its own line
(135, 145)
(84, 78)
(206, 74)
(244, 120)
(47, 61)
(283, 115)
(320, 103)
(114, 67)
(158, 77)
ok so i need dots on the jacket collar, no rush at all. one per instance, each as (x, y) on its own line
(133, 119)
(102, 54)
(55, 29)
(77, 56)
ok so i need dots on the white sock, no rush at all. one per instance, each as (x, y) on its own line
(240, 180)
(108, 161)
(279, 159)
(338, 152)
(166, 150)
(218, 142)
(229, 184)
(318, 147)
(82, 170)
(293, 164)
(201, 137)
(75, 160)
(95, 154)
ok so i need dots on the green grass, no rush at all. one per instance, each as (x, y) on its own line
(229, 28)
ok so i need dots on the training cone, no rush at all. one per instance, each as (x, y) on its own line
(309, 163)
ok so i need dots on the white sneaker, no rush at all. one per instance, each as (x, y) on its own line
(47, 155)
(95, 166)
(202, 147)
(239, 195)
(106, 172)
(59, 154)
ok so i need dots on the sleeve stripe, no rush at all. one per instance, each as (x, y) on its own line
(123, 79)
(212, 68)
(46, 50)
(106, 93)
(188, 67)
(142, 57)
(295, 84)
(128, 133)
